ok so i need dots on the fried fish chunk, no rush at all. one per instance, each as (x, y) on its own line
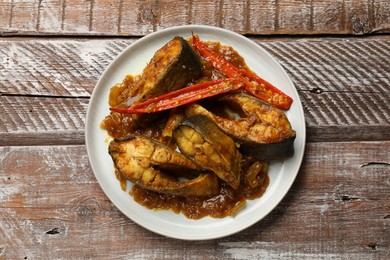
(262, 130)
(172, 67)
(199, 138)
(154, 166)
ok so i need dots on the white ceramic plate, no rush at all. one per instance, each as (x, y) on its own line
(131, 61)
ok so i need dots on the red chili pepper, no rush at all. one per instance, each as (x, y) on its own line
(254, 84)
(182, 96)
(267, 91)
(217, 61)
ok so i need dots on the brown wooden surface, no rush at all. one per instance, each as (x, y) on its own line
(102, 17)
(51, 56)
(55, 208)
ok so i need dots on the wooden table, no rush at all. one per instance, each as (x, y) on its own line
(336, 52)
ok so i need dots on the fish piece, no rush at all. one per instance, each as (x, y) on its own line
(172, 67)
(262, 130)
(176, 115)
(154, 166)
(199, 138)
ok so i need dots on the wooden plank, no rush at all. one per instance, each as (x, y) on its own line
(338, 80)
(20, 15)
(48, 121)
(55, 68)
(107, 12)
(206, 12)
(338, 83)
(77, 16)
(293, 16)
(72, 67)
(50, 16)
(137, 17)
(69, 17)
(170, 13)
(340, 212)
(5, 15)
(381, 12)
(42, 121)
(229, 11)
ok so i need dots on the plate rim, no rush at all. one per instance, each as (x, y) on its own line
(194, 28)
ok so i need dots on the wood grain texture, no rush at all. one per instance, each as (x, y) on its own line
(339, 82)
(42, 120)
(72, 67)
(140, 17)
(52, 207)
(55, 68)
